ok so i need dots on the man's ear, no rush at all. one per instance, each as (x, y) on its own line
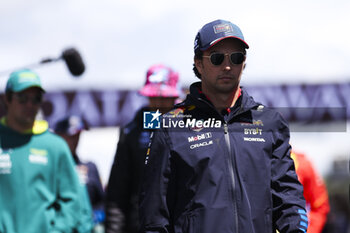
(6, 99)
(199, 65)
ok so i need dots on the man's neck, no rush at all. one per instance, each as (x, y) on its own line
(21, 128)
(223, 101)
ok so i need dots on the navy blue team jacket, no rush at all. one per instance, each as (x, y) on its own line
(234, 178)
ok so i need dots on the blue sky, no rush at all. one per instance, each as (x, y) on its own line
(290, 41)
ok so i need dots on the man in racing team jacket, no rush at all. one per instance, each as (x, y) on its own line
(221, 162)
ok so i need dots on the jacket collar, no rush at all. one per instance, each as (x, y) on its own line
(196, 97)
(39, 127)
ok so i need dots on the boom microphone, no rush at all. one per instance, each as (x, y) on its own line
(73, 61)
(70, 56)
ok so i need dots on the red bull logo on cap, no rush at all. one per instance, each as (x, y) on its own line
(223, 28)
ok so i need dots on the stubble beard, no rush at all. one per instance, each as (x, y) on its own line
(227, 88)
(26, 120)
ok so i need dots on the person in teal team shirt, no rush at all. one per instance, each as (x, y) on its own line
(38, 181)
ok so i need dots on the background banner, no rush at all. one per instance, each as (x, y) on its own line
(297, 103)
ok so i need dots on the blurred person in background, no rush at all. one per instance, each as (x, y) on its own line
(315, 192)
(161, 88)
(70, 129)
(338, 220)
(39, 184)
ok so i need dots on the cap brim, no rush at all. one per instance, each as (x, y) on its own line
(159, 90)
(223, 38)
(27, 87)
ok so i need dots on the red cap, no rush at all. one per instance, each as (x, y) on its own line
(161, 81)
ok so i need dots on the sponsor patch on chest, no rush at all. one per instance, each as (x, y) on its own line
(38, 156)
(201, 144)
(5, 163)
(199, 137)
(200, 140)
(253, 132)
(251, 139)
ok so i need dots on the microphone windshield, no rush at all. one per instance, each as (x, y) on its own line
(74, 61)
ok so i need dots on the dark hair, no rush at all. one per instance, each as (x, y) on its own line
(198, 54)
(8, 95)
(6, 98)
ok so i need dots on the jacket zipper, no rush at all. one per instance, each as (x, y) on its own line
(230, 166)
(230, 161)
